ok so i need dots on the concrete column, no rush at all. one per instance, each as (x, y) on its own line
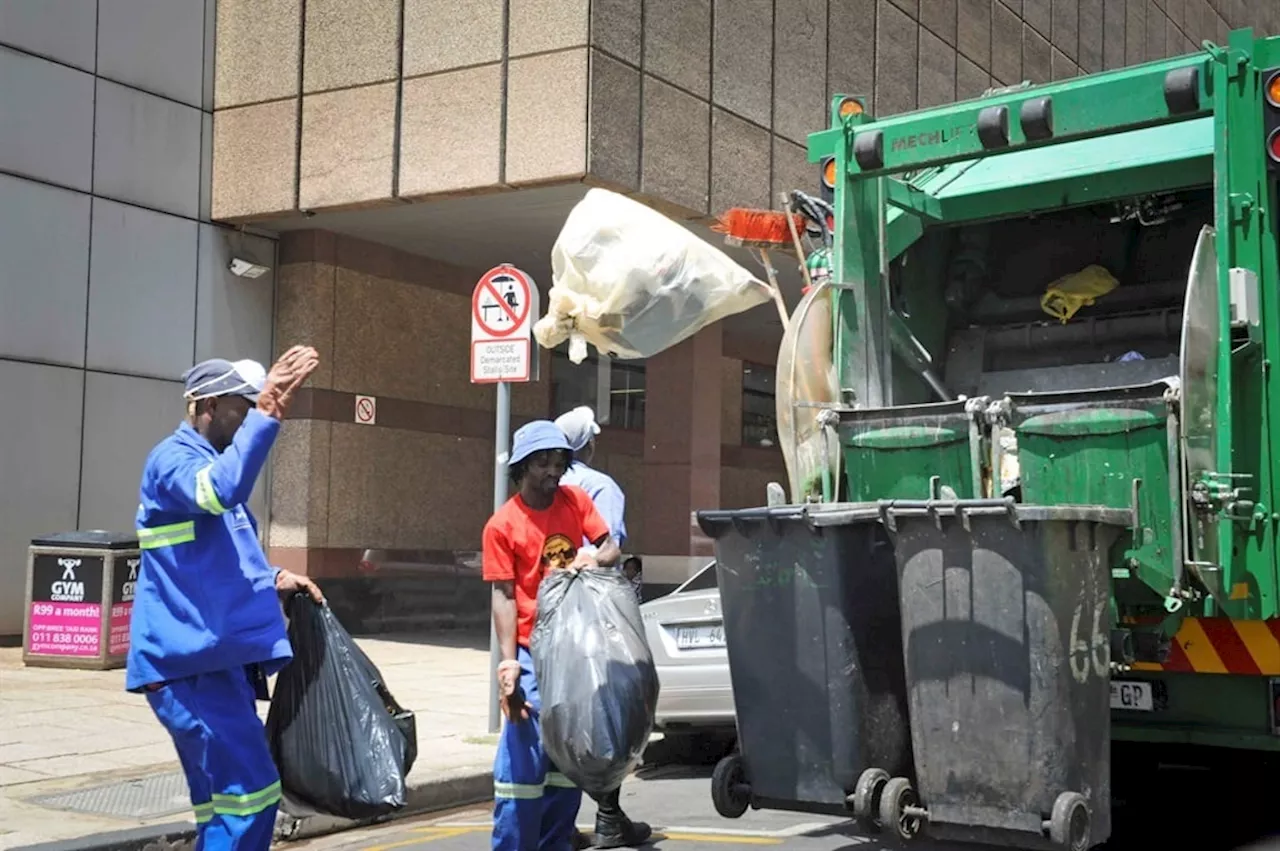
(681, 453)
(298, 532)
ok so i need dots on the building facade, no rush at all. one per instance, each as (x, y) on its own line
(377, 156)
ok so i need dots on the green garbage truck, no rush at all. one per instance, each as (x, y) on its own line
(1031, 420)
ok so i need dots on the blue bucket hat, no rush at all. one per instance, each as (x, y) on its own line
(219, 377)
(536, 436)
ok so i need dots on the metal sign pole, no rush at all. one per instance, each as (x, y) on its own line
(502, 450)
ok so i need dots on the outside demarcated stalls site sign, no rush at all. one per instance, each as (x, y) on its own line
(504, 307)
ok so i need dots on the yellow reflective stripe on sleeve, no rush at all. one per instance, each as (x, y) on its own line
(559, 781)
(517, 791)
(247, 805)
(206, 497)
(204, 812)
(167, 536)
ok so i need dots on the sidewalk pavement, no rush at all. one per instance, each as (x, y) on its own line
(81, 756)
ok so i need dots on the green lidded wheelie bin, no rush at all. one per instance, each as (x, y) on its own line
(1006, 623)
(897, 453)
(810, 606)
(1114, 447)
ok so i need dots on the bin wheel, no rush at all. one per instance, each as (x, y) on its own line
(1069, 826)
(730, 792)
(895, 798)
(866, 798)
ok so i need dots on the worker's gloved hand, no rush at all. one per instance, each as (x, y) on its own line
(285, 376)
(510, 695)
(288, 582)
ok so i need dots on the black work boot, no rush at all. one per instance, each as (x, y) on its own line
(614, 829)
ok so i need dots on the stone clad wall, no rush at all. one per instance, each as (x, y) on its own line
(698, 105)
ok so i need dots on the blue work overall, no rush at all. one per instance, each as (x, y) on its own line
(206, 617)
(534, 806)
(221, 743)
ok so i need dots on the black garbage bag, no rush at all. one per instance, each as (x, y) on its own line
(340, 741)
(596, 676)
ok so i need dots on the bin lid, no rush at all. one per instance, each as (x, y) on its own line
(1090, 422)
(716, 521)
(91, 538)
(906, 437)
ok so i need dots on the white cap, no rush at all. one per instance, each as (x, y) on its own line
(579, 426)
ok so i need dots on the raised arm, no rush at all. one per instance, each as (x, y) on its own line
(186, 482)
(189, 483)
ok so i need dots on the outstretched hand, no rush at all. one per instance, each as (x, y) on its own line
(285, 376)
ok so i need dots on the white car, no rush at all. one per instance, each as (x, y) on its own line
(686, 636)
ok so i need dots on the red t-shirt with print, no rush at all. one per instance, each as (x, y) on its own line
(522, 544)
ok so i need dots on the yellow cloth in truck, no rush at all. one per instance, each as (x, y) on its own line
(1069, 293)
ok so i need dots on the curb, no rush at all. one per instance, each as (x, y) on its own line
(440, 791)
(173, 836)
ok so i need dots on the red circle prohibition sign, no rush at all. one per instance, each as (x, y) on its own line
(364, 409)
(486, 285)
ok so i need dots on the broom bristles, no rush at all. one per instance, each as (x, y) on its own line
(764, 227)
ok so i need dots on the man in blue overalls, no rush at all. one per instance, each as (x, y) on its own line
(207, 625)
(613, 828)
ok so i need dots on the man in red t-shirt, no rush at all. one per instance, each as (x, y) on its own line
(539, 529)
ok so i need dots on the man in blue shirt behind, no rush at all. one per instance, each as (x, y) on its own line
(580, 429)
(613, 828)
(207, 625)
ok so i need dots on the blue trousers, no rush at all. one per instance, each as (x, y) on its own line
(534, 806)
(234, 785)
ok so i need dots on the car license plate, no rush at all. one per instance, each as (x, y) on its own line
(1132, 695)
(699, 637)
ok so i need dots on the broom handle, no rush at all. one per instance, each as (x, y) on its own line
(795, 239)
(774, 290)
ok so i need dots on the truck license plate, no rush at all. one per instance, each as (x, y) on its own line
(1132, 695)
(699, 637)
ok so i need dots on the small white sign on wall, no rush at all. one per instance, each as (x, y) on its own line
(367, 410)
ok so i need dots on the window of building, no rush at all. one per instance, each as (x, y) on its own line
(759, 407)
(626, 395)
(572, 384)
(615, 389)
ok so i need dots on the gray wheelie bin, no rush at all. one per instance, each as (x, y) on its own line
(1006, 623)
(810, 607)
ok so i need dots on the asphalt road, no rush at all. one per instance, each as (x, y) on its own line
(1186, 810)
(674, 799)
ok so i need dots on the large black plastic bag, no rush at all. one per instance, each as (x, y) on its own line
(339, 739)
(596, 677)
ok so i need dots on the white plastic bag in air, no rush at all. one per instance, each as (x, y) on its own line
(632, 282)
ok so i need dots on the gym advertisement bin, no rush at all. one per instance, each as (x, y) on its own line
(1006, 621)
(810, 606)
(79, 601)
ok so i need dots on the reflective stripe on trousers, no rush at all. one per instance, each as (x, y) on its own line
(534, 806)
(233, 782)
